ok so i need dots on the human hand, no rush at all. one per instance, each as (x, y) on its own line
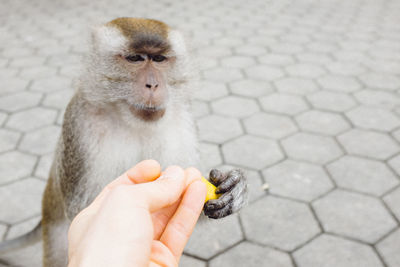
(137, 220)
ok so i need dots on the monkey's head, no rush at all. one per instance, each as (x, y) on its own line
(137, 65)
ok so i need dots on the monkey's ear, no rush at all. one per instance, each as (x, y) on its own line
(177, 42)
(107, 39)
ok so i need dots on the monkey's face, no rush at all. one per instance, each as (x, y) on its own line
(137, 62)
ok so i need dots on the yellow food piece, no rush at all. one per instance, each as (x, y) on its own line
(210, 190)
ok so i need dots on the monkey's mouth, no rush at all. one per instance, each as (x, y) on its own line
(147, 112)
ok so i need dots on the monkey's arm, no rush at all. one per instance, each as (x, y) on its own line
(232, 186)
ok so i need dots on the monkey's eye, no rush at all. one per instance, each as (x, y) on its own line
(158, 58)
(134, 58)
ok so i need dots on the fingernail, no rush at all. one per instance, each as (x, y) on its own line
(173, 172)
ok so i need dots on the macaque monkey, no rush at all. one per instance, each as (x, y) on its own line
(132, 102)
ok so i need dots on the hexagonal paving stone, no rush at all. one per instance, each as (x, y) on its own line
(369, 220)
(3, 117)
(31, 119)
(235, 106)
(218, 129)
(250, 255)
(210, 156)
(269, 125)
(37, 72)
(373, 118)
(297, 180)
(368, 143)
(381, 81)
(292, 222)
(276, 59)
(251, 88)
(305, 70)
(339, 83)
(8, 139)
(22, 228)
(363, 175)
(253, 152)
(293, 85)
(51, 84)
(286, 104)
(41, 141)
(217, 234)
(331, 101)
(377, 98)
(43, 167)
(211, 90)
(223, 74)
(200, 108)
(331, 251)
(389, 248)
(186, 261)
(15, 165)
(58, 99)
(21, 200)
(19, 101)
(392, 200)
(250, 50)
(237, 62)
(345, 68)
(12, 85)
(322, 122)
(312, 148)
(264, 73)
(215, 51)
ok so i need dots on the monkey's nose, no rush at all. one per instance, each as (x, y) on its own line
(151, 86)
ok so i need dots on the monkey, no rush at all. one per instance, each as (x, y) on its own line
(132, 102)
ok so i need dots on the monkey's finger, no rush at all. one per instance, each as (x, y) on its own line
(217, 177)
(181, 225)
(233, 177)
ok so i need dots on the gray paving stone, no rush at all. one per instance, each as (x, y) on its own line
(27, 61)
(331, 101)
(31, 119)
(187, 261)
(218, 129)
(285, 104)
(251, 88)
(58, 99)
(312, 148)
(373, 118)
(3, 117)
(369, 144)
(293, 85)
(21, 200)
(389, 249)
(8, 139)
(210, 156)
(43, 167)
(51, 84)
(305, 70)
(363, 175)
(15, 165)
(369, 220)
(19, 101)
(345, 68)
(276, 59)
(22, 228)
(41, 141)
(381, 99)
(252, 152)
(238, 62)
(12, 85)
(293, 223)
(264, 73)
(211, 90)
(297, 180)
(200, 108)
(331, 251)
(314, 58)
(339, 83)
(392, 200)
(37, 72)
(217, 234)
(220, 74)
(322, 122)
(234, 106)
(215, 51)
(251, 50)
(247, 254)
(381, 81)
(269, 125)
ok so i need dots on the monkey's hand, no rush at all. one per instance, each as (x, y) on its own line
(232, 186)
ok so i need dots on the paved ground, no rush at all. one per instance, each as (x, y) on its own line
(302, 94)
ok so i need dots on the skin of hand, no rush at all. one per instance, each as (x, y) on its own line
(143, 218)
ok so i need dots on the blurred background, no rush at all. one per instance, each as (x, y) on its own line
(303, 95)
